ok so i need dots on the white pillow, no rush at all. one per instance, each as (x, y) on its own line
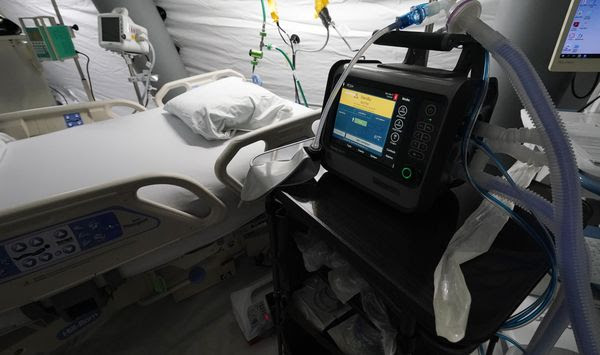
(218, 109)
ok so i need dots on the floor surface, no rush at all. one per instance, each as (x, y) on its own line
(201, 325)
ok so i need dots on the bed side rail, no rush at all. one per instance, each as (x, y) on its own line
(100, 228)
(42, 120)
(193, 81)
(276, 135)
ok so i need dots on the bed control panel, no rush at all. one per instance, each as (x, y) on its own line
(48, 246)
(73, 119)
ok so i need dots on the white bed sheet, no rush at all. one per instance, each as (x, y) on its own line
(150, 142)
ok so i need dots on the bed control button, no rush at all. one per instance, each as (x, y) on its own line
(29, 262)
(36, 242)
(60, 234)
(68, 249)
(19, 247)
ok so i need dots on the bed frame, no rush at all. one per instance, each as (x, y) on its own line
(159, 225)
(38, 121)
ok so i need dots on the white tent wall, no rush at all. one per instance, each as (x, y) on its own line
(216, 34)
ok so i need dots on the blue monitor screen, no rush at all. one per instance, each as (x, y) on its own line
(363, 120)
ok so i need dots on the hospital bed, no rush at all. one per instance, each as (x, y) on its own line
(124, 194)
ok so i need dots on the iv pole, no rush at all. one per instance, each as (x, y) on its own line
(84, 80)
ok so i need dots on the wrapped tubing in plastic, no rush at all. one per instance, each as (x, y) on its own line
(513, 135)
(520, 152)
(525, 199)
(451, 298)
(566, 193)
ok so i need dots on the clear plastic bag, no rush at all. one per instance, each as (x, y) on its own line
(355, 336)
(345, 282)
(377, 312)
(316, 253)
(317, 303)
(452, 300)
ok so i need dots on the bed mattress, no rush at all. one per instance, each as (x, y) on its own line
(150, 142)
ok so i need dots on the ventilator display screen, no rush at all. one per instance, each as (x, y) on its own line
(364, 119)
(582, 40)
(110, 29)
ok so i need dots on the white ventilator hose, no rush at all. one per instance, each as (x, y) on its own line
(566, 195)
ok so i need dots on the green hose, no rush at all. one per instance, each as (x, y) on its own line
(286, 57)
(302, 93)
(264, 12)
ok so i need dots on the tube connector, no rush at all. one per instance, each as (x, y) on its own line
(419, 13)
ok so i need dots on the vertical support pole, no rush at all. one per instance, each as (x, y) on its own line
(132, 72)
(84, 80)
(58, 15)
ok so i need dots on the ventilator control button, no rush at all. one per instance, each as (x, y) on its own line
(19, 247)
(402, 110)
(430, 110)
(407, 173)
(60, 234)
(416, 154)
(29, 262)
(394, 137)
(36, 242)
(68, 249)
(398, 124)
(45, 257)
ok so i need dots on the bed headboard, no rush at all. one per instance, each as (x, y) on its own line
(193, 81)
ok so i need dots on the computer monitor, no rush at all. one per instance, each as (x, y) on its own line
(578, 47)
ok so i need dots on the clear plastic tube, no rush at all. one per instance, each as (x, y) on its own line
(566, 194)
(316, 145)
(417, 15)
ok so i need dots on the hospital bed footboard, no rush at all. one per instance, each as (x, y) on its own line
(49, 246)
(38, 121)
(276, 135)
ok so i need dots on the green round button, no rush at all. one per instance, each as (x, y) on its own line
(407, 173)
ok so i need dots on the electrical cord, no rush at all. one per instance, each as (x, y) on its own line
(60, 94)
(589, 92)
(280, 30)
(321, 48)
(343, 38)
(89, 78)
(588, 104)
